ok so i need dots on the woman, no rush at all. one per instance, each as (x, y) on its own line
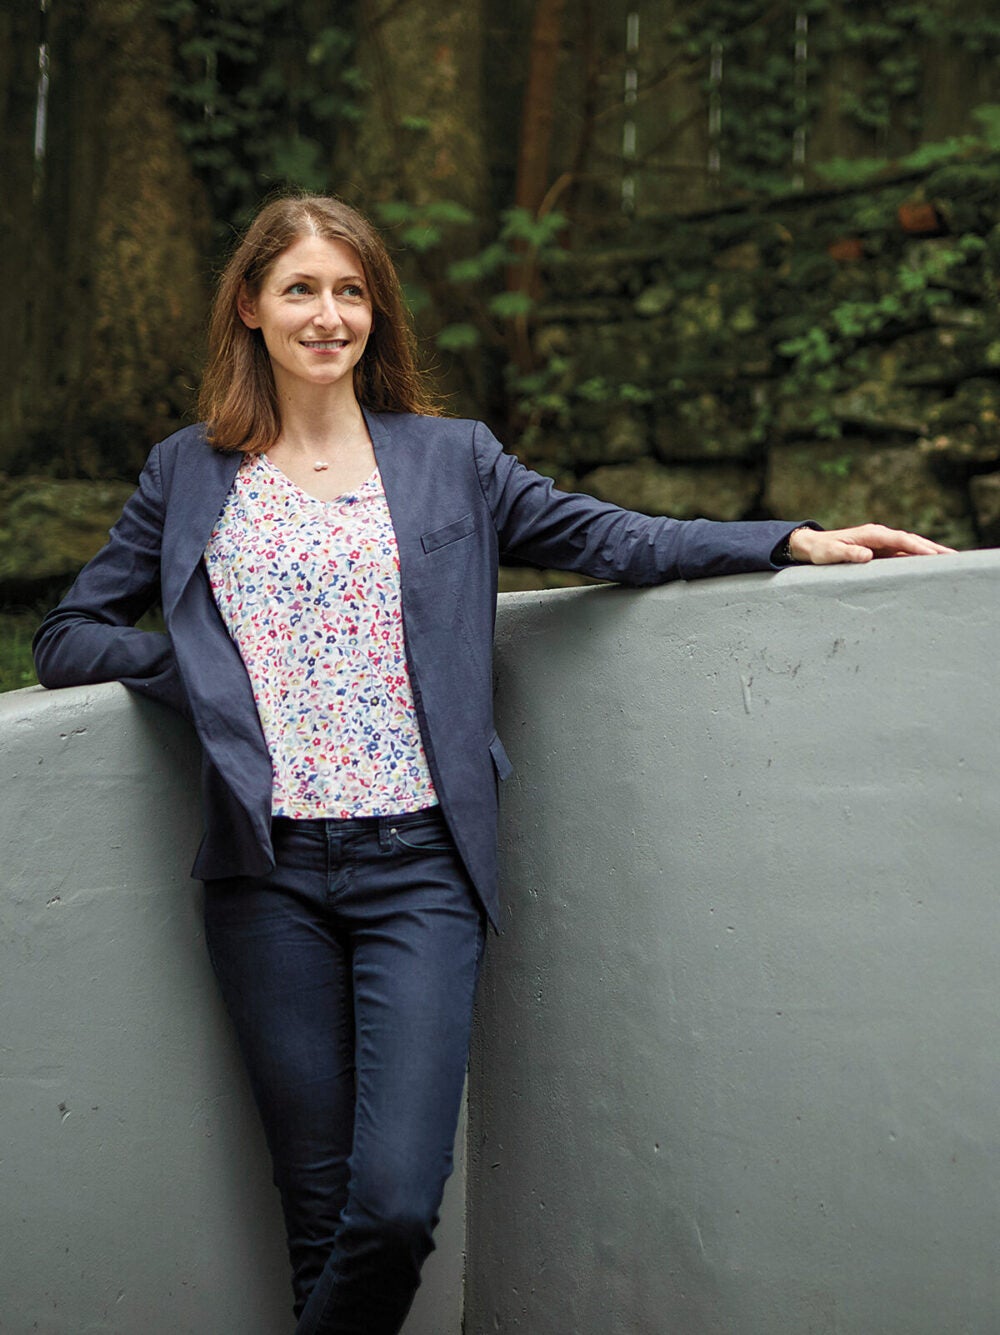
(325, 551)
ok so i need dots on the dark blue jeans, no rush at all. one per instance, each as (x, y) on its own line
(349, 972)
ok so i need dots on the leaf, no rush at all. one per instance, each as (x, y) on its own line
(395, 211)
(594, 390)
(634, 394)
(988, 117)
(469, 270)
(300, 161)
(421, 236)
(510, 304)
(448, 211)
(519, 224)
(850, 171)
(474, 267)
(457, 337)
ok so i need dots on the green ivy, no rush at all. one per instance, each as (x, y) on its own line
(522, 242)
(982, 142)
(816, 357)
(881, 47)
(264, 89)
(890, 42)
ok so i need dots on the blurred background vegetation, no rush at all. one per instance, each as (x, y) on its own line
(720, 257)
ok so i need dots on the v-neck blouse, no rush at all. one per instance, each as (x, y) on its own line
(310, 592)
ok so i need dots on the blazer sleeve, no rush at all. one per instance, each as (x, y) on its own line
(570, 531)
(91, 636)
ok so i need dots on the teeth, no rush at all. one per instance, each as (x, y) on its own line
(325, 343)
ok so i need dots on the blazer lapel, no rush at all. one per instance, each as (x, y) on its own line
(198, 494)
(396, 465)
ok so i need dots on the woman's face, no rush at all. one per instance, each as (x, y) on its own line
(314, 313)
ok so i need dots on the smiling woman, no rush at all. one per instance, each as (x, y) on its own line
(325, 550)
(239, 394)
(313, 313)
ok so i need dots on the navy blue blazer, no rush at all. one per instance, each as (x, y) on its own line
(458, 503)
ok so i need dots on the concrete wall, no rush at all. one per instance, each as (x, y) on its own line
(135, 1192)
(736, 1065)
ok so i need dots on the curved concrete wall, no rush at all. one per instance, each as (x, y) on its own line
(736, 1065)
(134, 1184)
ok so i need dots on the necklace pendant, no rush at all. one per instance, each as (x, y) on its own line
(321, 465)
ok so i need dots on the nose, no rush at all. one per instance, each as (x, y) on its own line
(328, 315)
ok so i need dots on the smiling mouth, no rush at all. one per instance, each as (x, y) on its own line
(325, 344)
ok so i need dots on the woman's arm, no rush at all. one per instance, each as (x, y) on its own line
(91, 636)
(535, 522)
(571, 531)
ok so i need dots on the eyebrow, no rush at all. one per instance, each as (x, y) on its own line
(298, 275)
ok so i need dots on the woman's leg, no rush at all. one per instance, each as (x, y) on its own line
(349, 972)
(417, 936)
(285, 974)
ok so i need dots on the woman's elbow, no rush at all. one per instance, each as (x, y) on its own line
(48, 651)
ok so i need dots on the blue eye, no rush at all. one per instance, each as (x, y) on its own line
(298, 290)
(354, 290)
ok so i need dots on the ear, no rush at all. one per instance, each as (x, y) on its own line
(247, 309)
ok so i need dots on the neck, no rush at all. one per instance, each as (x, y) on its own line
(321, 427)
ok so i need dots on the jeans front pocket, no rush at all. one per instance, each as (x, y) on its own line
(422, 832)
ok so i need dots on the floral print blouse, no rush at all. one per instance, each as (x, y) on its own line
(310, 592)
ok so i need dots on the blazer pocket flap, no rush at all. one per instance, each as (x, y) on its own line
(500, 758)
(440, 537)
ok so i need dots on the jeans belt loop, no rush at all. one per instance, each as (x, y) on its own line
(385, 833)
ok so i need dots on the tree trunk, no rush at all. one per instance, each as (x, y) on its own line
(114, 253)
(422, 142)
(20, 33)
(537, 119)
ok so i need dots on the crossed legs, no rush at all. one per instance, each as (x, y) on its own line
(350, 972)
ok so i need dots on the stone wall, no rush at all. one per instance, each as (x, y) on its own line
(823, 357)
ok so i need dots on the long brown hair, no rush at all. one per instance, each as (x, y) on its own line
(238, 398)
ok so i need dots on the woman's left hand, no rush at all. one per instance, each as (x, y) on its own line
(858, 545)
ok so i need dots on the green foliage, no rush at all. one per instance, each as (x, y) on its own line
(838, 468)
(423, 227)
(981, 143)
(496, 284)
(988, 119)
(888, 43)
(267, 90)
(541, 234)
(768, 98)
(507, 305)
(550, 395)
(264, 89)
(764, 103)
(521, 242)
(458, 337)
(817, 355)
(16, 630)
